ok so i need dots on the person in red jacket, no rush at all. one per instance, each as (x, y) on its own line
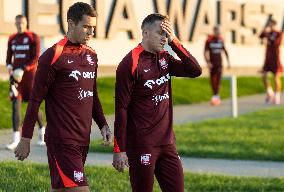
(22, 58)
(66, 80)
(214, 47)
(143, 129)
(272, 61)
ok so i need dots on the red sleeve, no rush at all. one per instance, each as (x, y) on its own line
(9, 51)
(123, 90)
(279, 39)
(206, 47)
(187, 66)
(263, 34)
(35, 51)
(98, 114)
(45, 75)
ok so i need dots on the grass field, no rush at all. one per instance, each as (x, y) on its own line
(257, 136)
(27, 177)
(185, 91)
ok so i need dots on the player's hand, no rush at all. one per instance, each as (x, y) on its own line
(10, 69)
(120, 161)
(168, 28)
(209, 64)
(10, 72)
(107, 135)
(22, 151)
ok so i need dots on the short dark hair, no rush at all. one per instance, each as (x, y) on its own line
(150, 19)
(77, 10)
(20, 16)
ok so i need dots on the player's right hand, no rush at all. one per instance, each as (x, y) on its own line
(120, 161)
(22, 151)
(10, 69)
(210, 66)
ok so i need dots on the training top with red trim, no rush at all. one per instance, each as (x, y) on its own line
(143, 96)
(23, 50)
(66, 79)
(272, 55)
(215, 45)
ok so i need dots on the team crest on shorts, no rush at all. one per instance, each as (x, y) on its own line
(145, 159)
(78, 176)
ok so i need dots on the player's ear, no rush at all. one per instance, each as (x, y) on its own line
(144, 33)
(71, 24)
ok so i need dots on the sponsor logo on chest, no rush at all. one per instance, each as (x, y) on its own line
(160, 81)
(20, 47)
(159, 98)
(85, 94)
(20, 56)
(216, 45)
(86, 75)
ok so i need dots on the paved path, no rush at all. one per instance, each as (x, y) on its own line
(182, 114)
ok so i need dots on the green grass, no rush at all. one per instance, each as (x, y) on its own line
(257, 136)
(254, 136)
(6, 106)
(185, 91)
(30, 177)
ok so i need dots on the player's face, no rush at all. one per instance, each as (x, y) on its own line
(83, 31)
(216, 31)
(21, 24)
(156, 37)
(271, 25)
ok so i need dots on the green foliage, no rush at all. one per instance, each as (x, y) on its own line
(30, 177)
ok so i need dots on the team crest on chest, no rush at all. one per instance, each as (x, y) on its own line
(90, 60)
(25, 40)
(163, 63)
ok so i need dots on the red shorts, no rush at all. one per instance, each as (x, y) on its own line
(161, 161)
(25, 86)
(66, 165)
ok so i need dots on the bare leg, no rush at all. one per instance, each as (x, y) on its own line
(265, 80)
(277, 81)
(268, 88)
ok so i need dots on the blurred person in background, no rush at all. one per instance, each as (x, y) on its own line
(21, 61)
(214, 47)
(272, 61)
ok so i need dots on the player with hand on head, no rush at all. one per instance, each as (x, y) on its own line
(143, 129)
(66, 80)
